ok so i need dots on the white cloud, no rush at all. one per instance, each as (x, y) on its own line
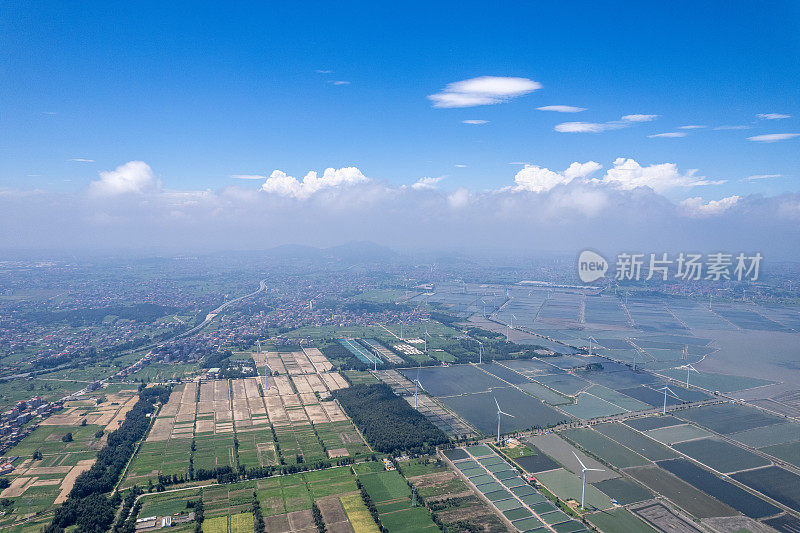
(461, 166)
(580, 127)
(484, 90)
(596, 127)
(758, 177)
(475, 122)
(341, 82)
(628, 174)
(459, 198)
(539, 179)
(668, 135)
(726, 128)
(693, 127)
(772, 116)
(517, 163)
(773, 137)
(427, 183)
(134, 177)
(638, 118)
(562, 108)
(248, 177)
(281, 184)
(697, 208)
(324, 71)
(82, 160)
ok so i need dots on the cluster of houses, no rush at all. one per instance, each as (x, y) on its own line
(11, 421)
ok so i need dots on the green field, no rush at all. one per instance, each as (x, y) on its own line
(604, 448)
(567, 486)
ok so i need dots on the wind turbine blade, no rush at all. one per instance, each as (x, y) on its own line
(595, 470)
(583, 466)
(504, 413)
(498, 405)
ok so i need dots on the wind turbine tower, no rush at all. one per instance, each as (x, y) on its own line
(583, 478)
(689, 368)
(500, 412)
(666, 390)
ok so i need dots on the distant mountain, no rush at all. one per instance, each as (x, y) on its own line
(361, 252)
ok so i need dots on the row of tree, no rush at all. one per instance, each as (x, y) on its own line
(87, 506)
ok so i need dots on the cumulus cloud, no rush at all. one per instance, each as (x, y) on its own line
(698, 208)
(772, 116)
(625, 121)
(134, 177)
(483, 90)
(538, 179)
(773, 137)
(281, 184)
(475, 121)
(459, 198)
(668, 135)
(427, 183)
(562, 108)
(628, 174)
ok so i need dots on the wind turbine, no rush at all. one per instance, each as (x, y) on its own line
(417, 386)
(689, 368)
(666, 390)
(500, 412)
(583, 478)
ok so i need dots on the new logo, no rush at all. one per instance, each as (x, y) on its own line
(591, 266)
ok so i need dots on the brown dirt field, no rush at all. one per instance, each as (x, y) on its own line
(204, 426)
(119, 417)
(161, 430)
(275, 363)
(316, 383)
(283, 385)
(46, 482)
(18, 487)
(71, 418)
(338, 452)
(333, 411)
(308, 399)
(317, 414)
(277, 523)
(334, 515)
(297, 415)
(291, 400)
(45, 470)
(205, 407)
(207, 391)
(302, 385)
(173, 405)
(69, 479)
(302, 521)
(223, 415)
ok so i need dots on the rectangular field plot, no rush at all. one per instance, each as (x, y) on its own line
(714, 382)
(341, 439)
(481, 412)
(619, 520)
(567, 486)
(789, 452)
(777, 483)
(588, 406)
(728, 418)
(635, 441)
(769, 435)
(672, 434)
(562, 451)
(623, 490)
(617, 398)
(213, 451)
(720, 455)
(564, 383)
(653, 422)
(545, 394)
(728, 493)
(454, 379)
(606, 449)
(684, 495)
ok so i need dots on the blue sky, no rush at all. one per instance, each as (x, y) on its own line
(201, 93)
